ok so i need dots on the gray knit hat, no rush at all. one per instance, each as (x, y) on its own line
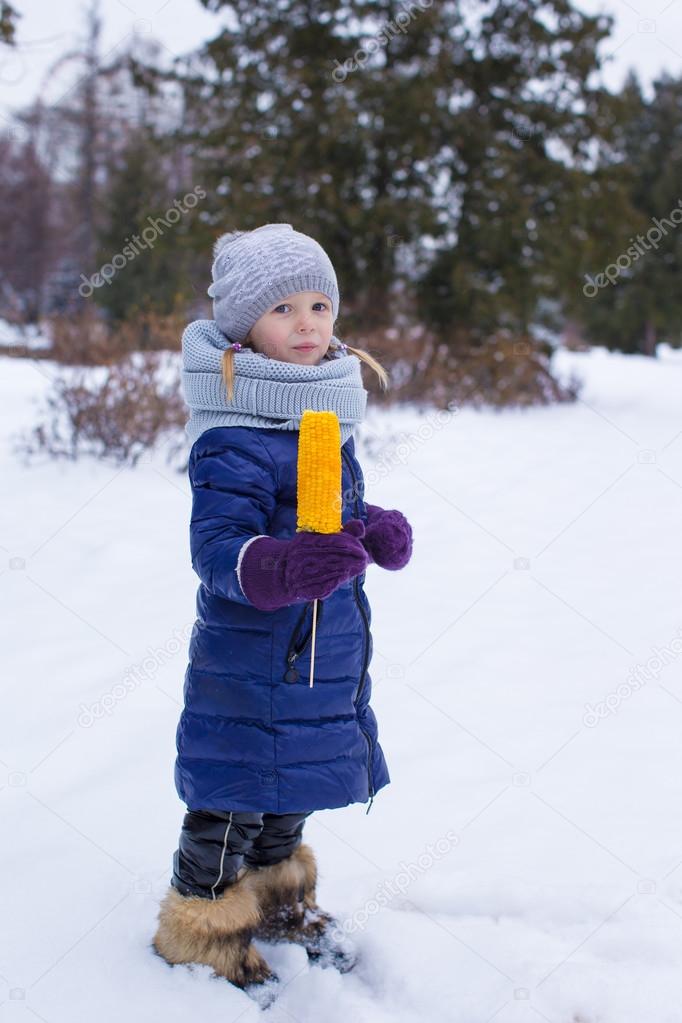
(253, 270)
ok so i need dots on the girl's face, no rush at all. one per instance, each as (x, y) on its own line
(304, 318)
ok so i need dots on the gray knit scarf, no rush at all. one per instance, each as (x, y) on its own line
(268, 393)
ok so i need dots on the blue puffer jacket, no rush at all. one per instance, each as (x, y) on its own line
(253, 735)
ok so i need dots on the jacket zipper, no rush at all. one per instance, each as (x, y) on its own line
(356, 593)
(295, 651)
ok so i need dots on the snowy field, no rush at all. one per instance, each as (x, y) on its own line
(524, 864)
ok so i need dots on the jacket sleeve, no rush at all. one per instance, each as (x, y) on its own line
(234, 495)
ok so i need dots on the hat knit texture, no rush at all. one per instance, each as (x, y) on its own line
(253, 270)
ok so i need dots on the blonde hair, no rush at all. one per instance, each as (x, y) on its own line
(227, 366)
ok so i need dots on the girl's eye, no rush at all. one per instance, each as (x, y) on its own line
(285, 305)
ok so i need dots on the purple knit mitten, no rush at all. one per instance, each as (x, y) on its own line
(275, 573)
(388, 537)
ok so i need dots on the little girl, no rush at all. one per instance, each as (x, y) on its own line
(258, 749)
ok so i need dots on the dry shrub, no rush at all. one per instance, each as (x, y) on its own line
(114, 402)
(81, 339)
(117, 412)
(150, 331)
(573, 339)
(86, 339)
(503, 371)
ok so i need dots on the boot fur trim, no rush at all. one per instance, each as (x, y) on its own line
(290, 880)
(216, 932)
(287, 896)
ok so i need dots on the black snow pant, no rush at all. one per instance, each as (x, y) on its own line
(215, 844)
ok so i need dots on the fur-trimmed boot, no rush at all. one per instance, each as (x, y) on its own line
(289, 910)
(217, 932)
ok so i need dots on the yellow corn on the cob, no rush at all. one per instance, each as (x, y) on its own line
(318, 485)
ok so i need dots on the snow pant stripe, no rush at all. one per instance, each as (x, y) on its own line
(222, 858)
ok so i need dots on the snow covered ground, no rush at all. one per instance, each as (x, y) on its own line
(525, 863)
